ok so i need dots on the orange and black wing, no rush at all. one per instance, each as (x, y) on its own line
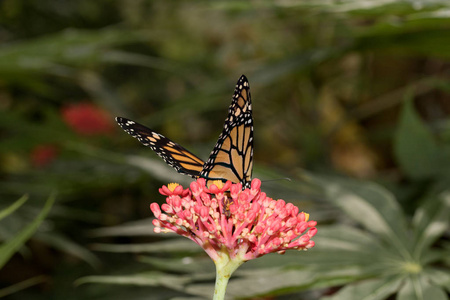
(173, 154)
(232, 156)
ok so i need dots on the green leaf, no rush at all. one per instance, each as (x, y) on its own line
(431, 221)
(187, 264)
(341, 237)
(174, 245)
(343, 247)
(135, 228)
(376, 289)
(435, 293)
(65, 245)
(22, 285)
(49, 53)
(370, 205)
(414, 147)
(11, 246)
(144, 279)
(10, 209)
(418, 288)
(439, 277)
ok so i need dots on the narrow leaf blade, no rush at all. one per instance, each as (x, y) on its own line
(10, 209)
(11, 246)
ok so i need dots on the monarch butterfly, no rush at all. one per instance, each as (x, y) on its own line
(232, 156)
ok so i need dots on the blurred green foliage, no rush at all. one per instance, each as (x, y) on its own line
(342, 89)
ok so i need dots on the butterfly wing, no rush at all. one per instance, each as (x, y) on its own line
(232, 156)
(172, 153)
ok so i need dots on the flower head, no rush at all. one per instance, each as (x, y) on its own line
(241, 224)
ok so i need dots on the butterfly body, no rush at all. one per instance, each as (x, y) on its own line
(232, 156)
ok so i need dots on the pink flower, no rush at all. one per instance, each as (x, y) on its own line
(240, 224)
(173, 189)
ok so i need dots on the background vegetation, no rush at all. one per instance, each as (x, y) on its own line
(351, 102)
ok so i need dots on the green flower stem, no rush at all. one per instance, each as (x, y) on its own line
(224, 268)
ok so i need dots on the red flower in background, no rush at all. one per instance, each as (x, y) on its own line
(87, 119)
(42, 155)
